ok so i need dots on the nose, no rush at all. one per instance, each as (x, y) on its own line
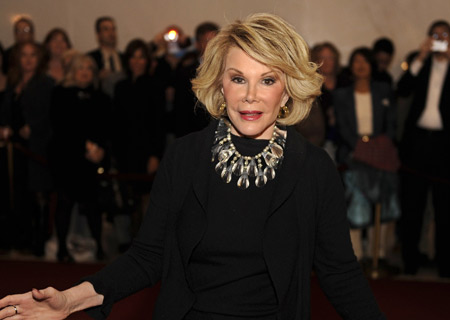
(251, 93)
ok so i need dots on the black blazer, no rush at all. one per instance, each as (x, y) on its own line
(306, 228)
(383, 116)
(418, 85)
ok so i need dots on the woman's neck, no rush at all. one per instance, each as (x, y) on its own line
(26, 76)
(362, 85)
(56, 69)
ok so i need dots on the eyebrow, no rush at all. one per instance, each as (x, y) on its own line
(240, 72)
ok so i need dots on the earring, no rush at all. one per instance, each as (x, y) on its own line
(222, 107)
(283, 113)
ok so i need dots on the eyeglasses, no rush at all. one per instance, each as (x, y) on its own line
(24, 30)
(443, 35)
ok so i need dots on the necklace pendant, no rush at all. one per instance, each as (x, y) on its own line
(261, 179)
(252, 168)
(225, 155)
(226, 174)
(269, 172)
(243, 182)
(237, 167)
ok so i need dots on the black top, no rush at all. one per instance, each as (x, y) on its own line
(31, 108)
(227, 271)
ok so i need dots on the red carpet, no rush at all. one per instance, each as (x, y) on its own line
(399, 300)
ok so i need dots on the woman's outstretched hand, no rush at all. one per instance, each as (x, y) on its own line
(49, 304)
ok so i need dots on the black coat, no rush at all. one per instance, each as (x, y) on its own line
(77, 115)
(139, 115)
(418, 86)
(32, 107)
(306, 228)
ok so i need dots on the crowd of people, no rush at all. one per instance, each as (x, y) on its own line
(69, 119)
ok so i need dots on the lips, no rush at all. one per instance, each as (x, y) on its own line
(250, 115)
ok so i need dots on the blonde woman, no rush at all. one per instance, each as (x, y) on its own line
(241, 211)
(79, 118)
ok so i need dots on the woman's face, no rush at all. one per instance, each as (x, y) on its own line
(327, 58)
(57, 45)
(138, 63)
(254, 94)
(84, 74)
(361, 68)
(29, 59)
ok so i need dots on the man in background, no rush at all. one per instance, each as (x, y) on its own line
(383, 51)
(107, 57)
(425, 149)
(188, 118)
(23, 32)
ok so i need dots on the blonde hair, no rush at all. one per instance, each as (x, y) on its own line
(75, 63)
(271, 41)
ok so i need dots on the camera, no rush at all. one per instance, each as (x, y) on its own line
(439, 46)
(171, 35)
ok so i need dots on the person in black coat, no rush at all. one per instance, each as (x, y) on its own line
(425, 149)
(186, 117)
(107, 58)
(79, 117)
(26, 122)
(139, 119)
(231, 235)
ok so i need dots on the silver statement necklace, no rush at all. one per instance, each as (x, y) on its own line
(261, 166)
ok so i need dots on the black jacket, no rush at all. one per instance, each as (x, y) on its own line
(384, 114)
(306, 228)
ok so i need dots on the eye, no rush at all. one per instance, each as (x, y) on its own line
(268, 81)
(237, 79)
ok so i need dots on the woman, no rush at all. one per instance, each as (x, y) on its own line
(25, 121)
(320, 126)
(245, 248)
(56, 43)
(365, 111)
(139, 110)
(79, 115)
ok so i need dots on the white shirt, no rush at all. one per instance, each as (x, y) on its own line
(363, 110)
(107, 55)
(430, 118)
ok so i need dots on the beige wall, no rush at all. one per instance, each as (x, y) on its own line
(347, 23)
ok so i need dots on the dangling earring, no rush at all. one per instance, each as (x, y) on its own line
(222, 107)
(283, 113)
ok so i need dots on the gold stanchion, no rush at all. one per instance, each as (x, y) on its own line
(9, 151)
(375, 272)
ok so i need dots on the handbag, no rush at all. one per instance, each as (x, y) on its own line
(378, 152)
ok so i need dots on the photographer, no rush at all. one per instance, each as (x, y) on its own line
(425, 148)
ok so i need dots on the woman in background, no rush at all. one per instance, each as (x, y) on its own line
(56, 43)
(366, 111)
(79, 117)
(139, 122)
(25, 121)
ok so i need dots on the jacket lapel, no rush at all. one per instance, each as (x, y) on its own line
(191, 224)
(286, 178)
